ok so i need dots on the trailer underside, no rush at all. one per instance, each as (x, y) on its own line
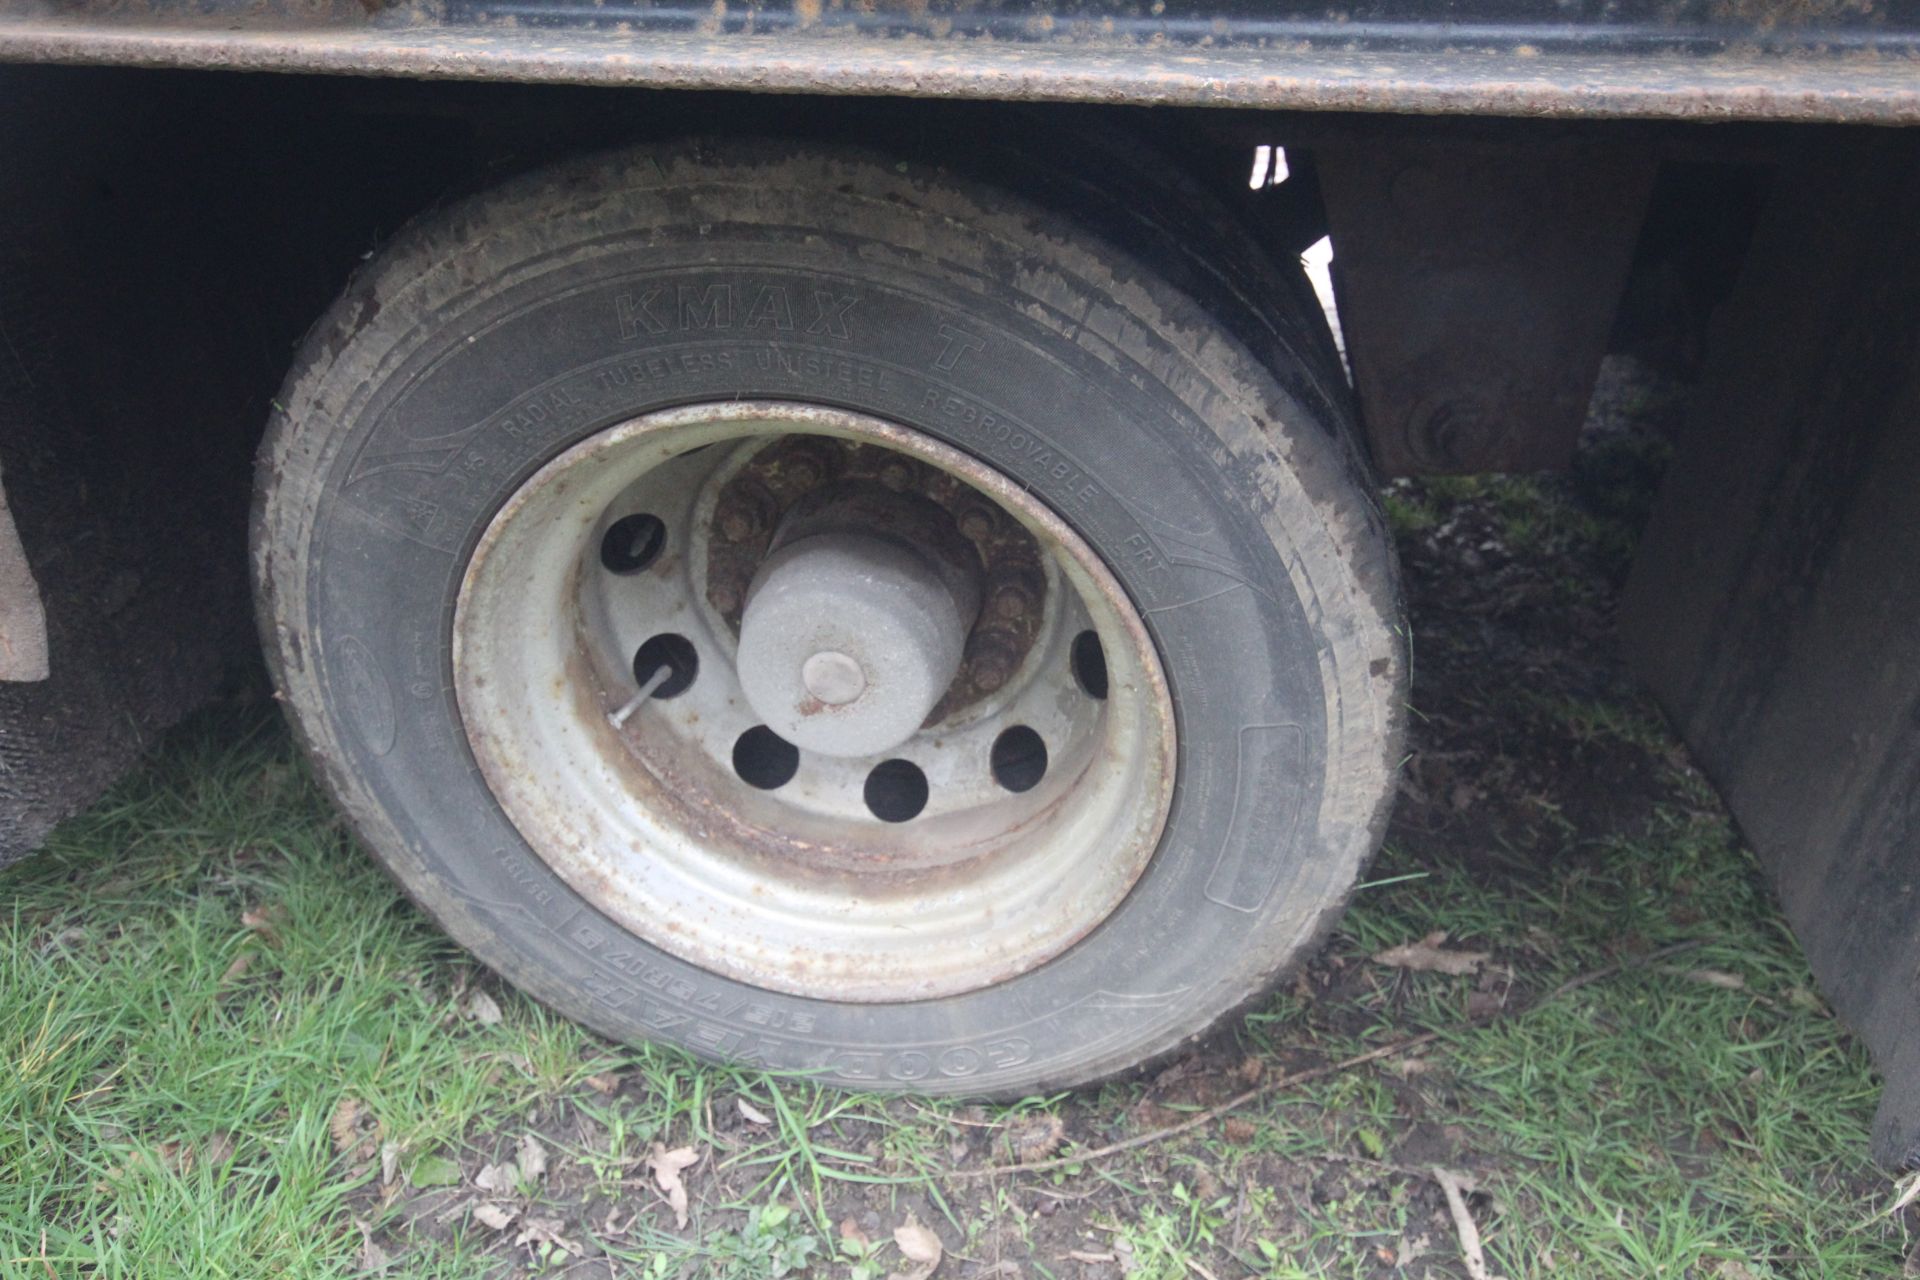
(1484, 263)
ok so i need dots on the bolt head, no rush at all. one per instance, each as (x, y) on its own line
(1013, 593)
(991, 664)
(809, 462)
(976, 523)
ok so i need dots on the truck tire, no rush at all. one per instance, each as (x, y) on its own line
(761, 599)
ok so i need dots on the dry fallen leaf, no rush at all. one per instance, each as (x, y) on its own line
(665, 1166)
(1239, 1129)
(372, 1256)
(345, 1125)
(1422, 1245)
(1038, 1138)
(260, 919)
(1718, 978)
(917, 1243)
(389, 1162)
(532, 1158)
(919, 1246)
(605, 1085)
(1426, 956)
(1483, 1004)
(1184, 1069)
(493, 1215)
(1907, 1196)
(850, 1232)
(238, 969)
(481, 1007)
(752, 1114)
(546, 1231)
(499, 1179)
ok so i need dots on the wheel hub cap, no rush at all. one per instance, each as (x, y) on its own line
(850, 639)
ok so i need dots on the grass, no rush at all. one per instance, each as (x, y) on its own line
(196, 975)
(228, 1048)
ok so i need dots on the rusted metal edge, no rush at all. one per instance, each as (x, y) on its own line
(1873, 87)
(23, 614)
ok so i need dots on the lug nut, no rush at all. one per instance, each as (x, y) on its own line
(745, 512)
(992, 661)
(808, 463)
(977, 523)
(1013, 594)
(896, 475)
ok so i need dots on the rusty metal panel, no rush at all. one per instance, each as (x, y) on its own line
(1774, 600)
(1477, 283)
(1676, 59)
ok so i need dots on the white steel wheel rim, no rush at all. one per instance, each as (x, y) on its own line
(800, 888)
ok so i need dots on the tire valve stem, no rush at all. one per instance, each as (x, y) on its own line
(654, 681)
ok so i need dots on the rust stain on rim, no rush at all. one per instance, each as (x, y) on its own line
(917, 908)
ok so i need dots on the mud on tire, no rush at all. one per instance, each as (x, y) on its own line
(1204, 457)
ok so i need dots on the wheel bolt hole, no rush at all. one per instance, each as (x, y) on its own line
(673, 652)
(1089, 663)
(1019, 758)
(631, 543)
(764, 759)
(896, 791)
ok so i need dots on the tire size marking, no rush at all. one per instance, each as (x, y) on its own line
(525, 874)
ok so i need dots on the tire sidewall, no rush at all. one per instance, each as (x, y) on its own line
(502, 332)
